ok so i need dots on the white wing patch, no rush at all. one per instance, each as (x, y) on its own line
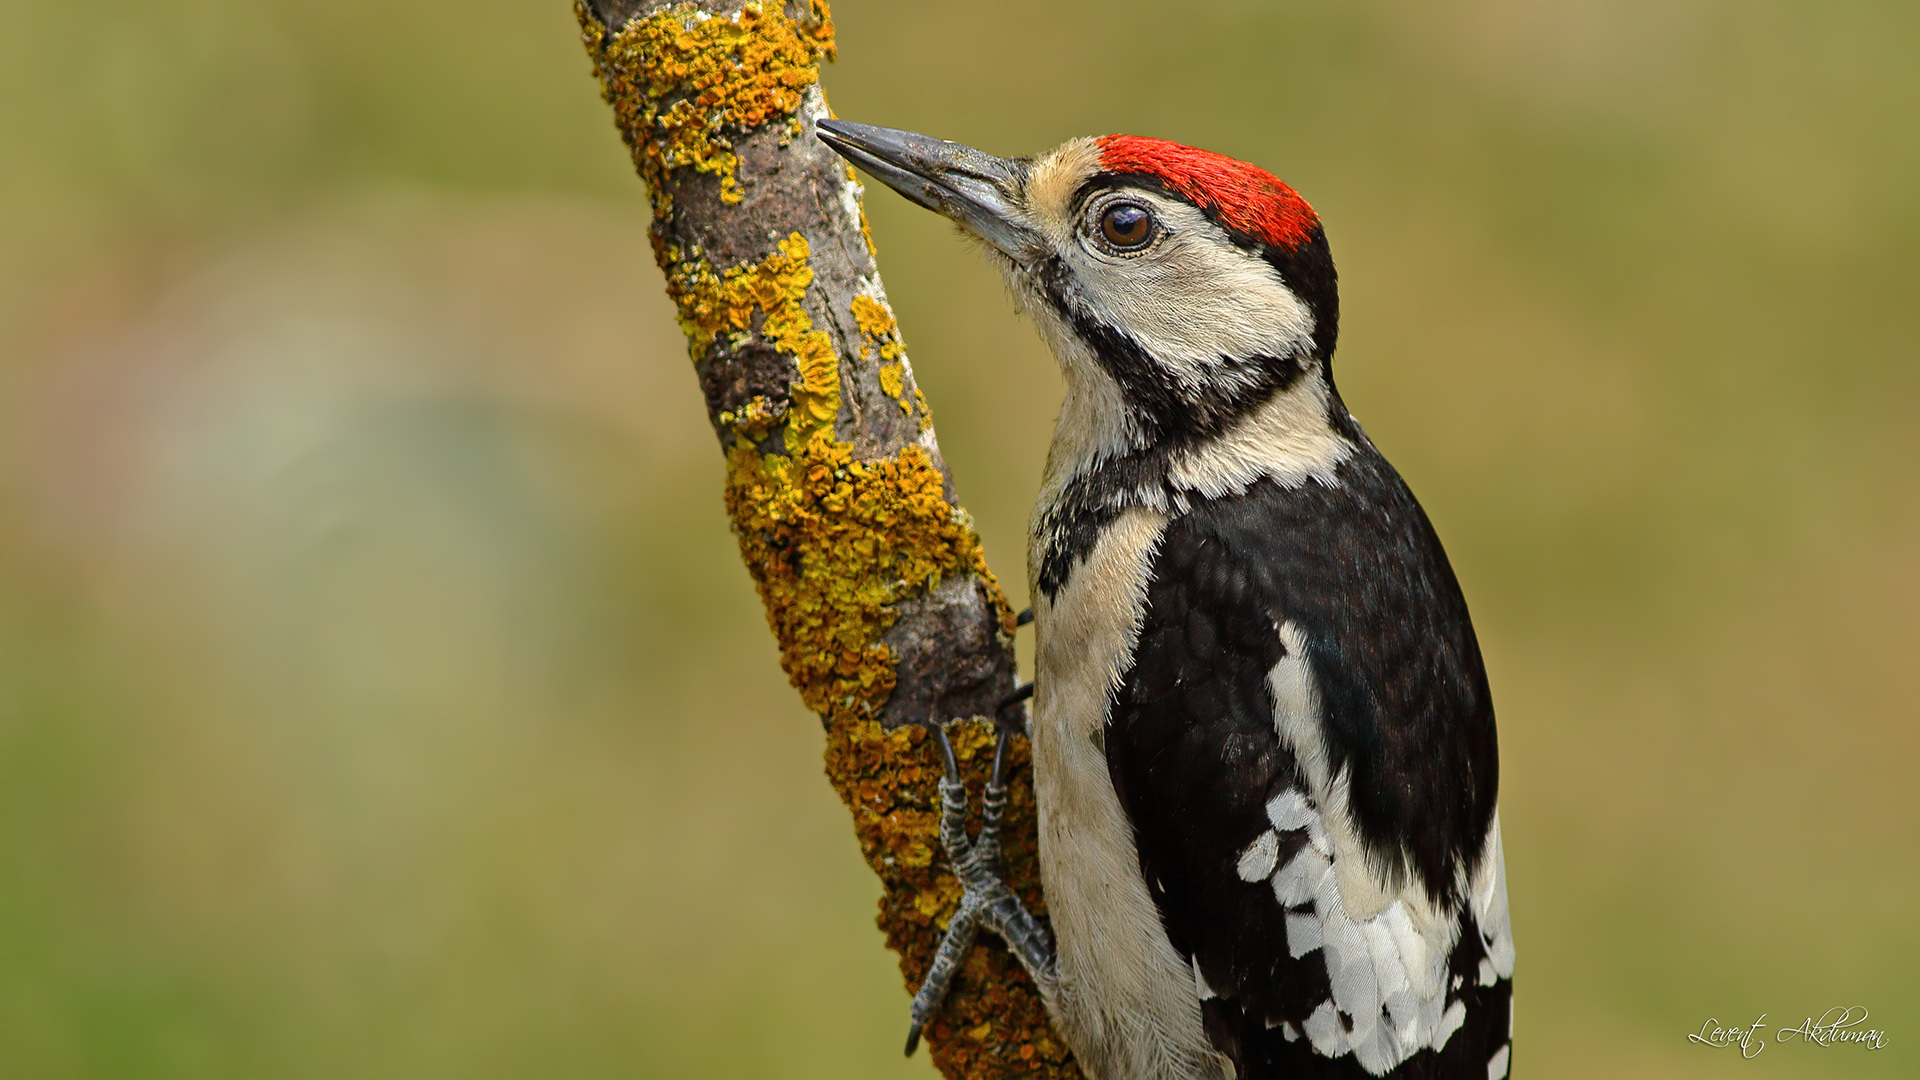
(1386, 952)
(1450, 1022)
(1200, 986)
(1490, 908)
(1388, 972)
(1325, 1031)
(1303, 934)
(1300, 880)
(1290, 811)
(1257, 862)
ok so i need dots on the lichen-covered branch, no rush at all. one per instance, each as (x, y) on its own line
(872, 575)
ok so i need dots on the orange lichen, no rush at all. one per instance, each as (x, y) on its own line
(834, 543)
(926, 417)
(877, 324)
(881, 333)
(767, 298)
(893, 381)
(994, 1025)
(680, 80)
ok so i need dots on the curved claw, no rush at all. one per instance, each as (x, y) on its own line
(985, 899)
(949, 763)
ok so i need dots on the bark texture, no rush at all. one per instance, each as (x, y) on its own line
(872, 575)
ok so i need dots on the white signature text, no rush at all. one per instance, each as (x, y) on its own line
(1837, 1026)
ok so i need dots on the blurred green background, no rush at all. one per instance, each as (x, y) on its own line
(380, 694)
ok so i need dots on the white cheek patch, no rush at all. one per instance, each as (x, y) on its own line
(1202, 308)
(1194, 302)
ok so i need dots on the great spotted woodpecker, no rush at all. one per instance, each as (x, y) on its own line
(1263, 743)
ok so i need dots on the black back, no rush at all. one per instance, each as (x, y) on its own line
(1195, 757)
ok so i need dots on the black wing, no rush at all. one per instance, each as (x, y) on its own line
(1356, 574)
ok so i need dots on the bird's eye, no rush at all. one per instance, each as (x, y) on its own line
(1126, 226)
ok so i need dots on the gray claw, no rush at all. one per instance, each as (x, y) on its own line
(985, 899)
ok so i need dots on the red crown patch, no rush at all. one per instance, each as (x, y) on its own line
(1245, 198)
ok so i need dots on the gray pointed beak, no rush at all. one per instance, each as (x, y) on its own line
(978, 191)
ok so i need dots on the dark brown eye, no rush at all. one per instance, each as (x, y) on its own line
(1126, 226)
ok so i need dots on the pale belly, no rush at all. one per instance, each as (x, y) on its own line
(1127, 1000)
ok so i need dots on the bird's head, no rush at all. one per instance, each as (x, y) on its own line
(1180, 289)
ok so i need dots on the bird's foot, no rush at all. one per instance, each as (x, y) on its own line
(986, 902)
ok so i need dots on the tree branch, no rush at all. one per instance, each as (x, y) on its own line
(872, 575)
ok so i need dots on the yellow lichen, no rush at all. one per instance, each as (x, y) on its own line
(680, 80)
(877, 325)
(886, 779)
(712, 306)
(834, 543)
(893, 380)
(753, 420)
(881, 333)
(926, 415)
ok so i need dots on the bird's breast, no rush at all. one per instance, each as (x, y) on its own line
(1127, 1002)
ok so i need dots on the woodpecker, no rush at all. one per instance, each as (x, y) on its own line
(1264, 753)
